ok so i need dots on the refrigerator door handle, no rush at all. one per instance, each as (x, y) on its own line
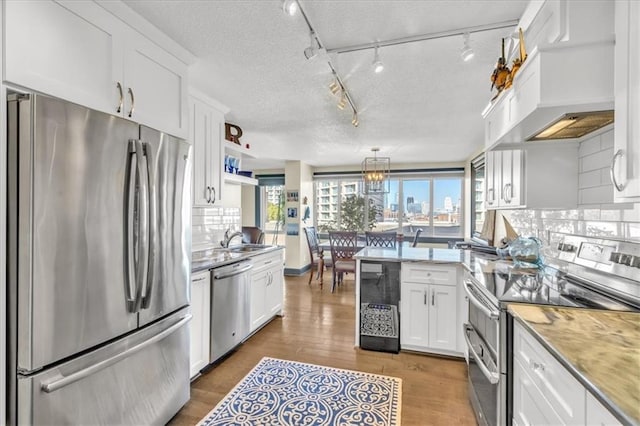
(143, 220)
(151, 249)
(131, 288)
(59, 383)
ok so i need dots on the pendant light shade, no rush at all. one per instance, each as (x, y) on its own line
(375, 173)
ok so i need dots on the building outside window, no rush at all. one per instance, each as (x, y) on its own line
(428, 201)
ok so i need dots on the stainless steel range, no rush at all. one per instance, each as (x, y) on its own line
(583, 272)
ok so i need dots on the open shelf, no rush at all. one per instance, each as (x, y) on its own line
(238, 149)
(239, 180)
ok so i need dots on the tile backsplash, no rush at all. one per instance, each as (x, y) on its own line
(209, 224)
(596, 214)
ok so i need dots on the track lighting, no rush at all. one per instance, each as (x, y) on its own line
(334, 87)
(354, 120)
(343, 101)
(377, 64)
(467, 52)
(290, 7)
(311, 51)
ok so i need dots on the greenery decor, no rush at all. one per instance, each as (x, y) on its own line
(352, 216)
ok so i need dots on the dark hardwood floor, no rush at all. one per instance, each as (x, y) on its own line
(318, 328)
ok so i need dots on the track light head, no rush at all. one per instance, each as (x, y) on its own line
(311, 51)
(343, 101)
(290, 7)
(467, 52)
(377, 64)
(334, 87)
(354, 120)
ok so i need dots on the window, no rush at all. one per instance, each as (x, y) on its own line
(270, 208)
(477, 195)
(428, 201)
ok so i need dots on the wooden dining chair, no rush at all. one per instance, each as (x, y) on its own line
(252, 235)
(415, 238)
(381, 239)
(343, 248)
(316, 254)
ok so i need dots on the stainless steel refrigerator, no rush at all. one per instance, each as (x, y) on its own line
(99, 263)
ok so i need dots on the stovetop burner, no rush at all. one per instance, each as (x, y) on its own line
(505, 283)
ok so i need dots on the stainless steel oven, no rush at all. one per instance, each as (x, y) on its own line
(584, 272)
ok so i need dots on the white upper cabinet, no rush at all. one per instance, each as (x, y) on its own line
(625, 165)
(206, 124)
(156, 86)
(538, 177)
(80, 52)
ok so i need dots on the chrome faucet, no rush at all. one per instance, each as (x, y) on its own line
(227, 238)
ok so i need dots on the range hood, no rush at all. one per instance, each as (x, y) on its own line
(574, 126)
(563, 91)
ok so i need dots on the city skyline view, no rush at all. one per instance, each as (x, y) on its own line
(419, 190)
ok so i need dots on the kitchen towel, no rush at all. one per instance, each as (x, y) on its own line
(280, 392)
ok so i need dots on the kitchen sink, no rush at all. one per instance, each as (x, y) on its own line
(249, 248)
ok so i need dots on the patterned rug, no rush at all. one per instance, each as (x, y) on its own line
(279, 392)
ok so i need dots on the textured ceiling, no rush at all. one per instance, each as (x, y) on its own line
(424, 107)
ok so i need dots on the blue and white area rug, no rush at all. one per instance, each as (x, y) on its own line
(279, 392)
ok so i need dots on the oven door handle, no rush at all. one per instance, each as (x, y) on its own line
(473, 298)
(493, 378)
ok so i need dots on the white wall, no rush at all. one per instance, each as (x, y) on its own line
(298, 176)
(249, 206)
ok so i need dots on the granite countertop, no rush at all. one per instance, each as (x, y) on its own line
(413, 254)
(213, 258)
(600, 348)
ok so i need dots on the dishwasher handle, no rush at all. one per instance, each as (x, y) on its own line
(228, 272)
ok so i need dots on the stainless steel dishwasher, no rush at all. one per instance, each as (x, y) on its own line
(229, 307)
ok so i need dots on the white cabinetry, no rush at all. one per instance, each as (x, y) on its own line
(544, 392)
(538, 177)
(206, 127)
(429, 319)
(267, 282)
(597, 414)
(626, 162)
(200, 324)
(80, 52)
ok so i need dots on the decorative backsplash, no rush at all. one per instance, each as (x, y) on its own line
(596, 215)
(210, 223)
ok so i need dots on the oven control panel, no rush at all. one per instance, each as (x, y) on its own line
(621, 258)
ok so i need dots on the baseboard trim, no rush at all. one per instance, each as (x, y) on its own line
(294, 272)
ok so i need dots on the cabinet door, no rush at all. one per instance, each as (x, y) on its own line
(215, 167)
(199, 130)
(275, 290)
(155, 86)
(529, 405)
(442, 317)
(258, 297)
(510, 179)
(414, 330)
(598, 414)
(626, 164)
(71, 50)
(200, 323)
(493, 182)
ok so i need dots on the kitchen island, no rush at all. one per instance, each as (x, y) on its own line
(432, 301)
(601, 349)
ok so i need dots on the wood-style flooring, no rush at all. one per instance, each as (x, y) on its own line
(318, 327)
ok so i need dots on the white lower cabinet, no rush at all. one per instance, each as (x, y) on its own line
(546, 393)
(267, 282)
(429, 308)
(200, 324)
(597, 414)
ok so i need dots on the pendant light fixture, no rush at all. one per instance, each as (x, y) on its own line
(377, 64)
(375, 173)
